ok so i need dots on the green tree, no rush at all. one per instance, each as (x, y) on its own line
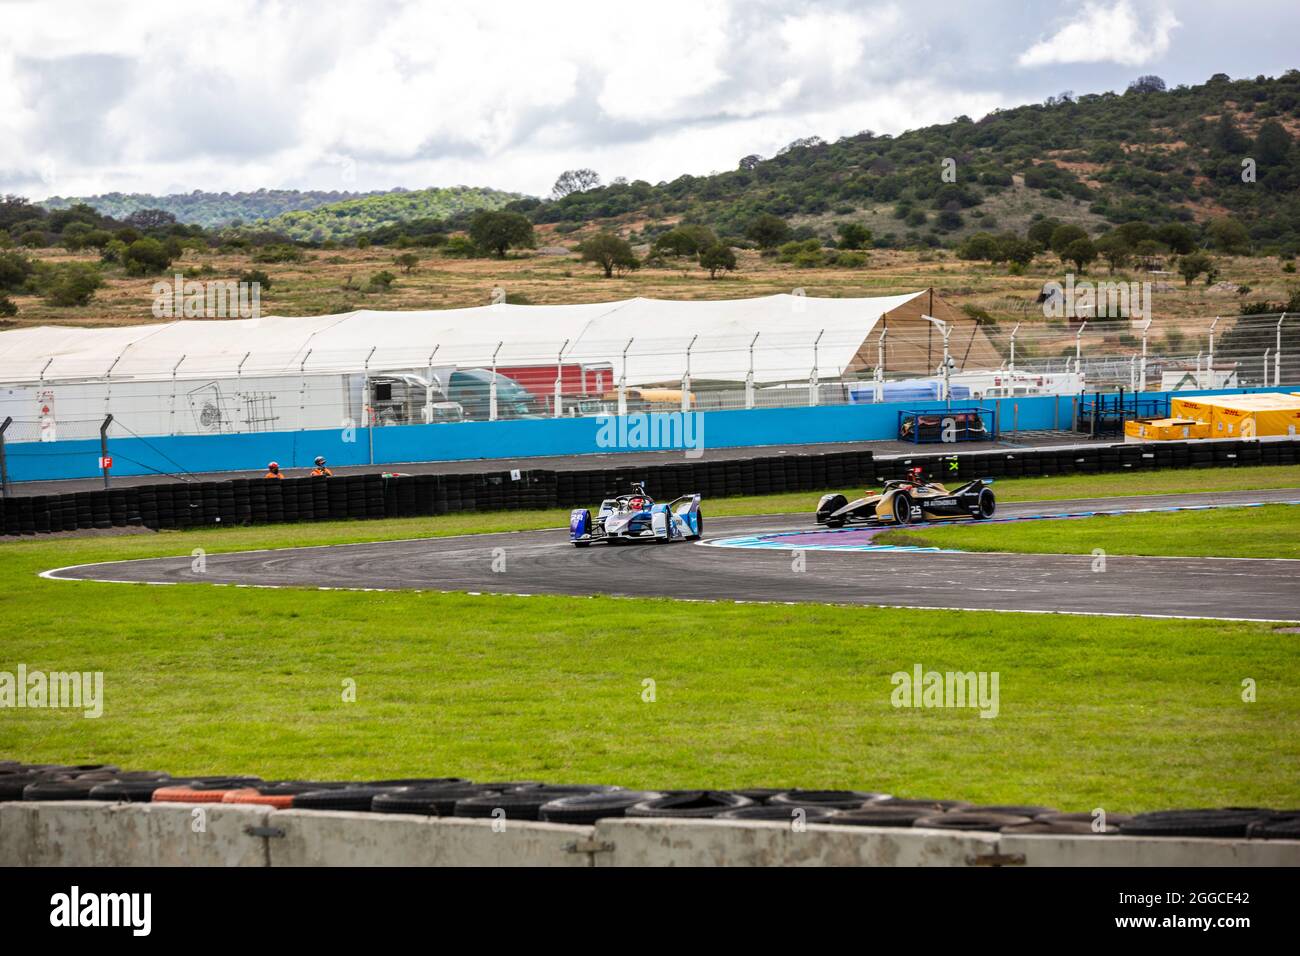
(408, 261)
(146, 257)
(382, 281)
(1081, 252)
(854, 235)
(1272, 144)
(1063, 235)
(718, 257)
(684, 241)
(1040, 233)
(69, 283)
(7, 306)
(1114, 248)
(768, 231)
(498, 231)
(1019, 252)
(979, 245)
(256, 275)
(1190, 266)
(1178, 237)
(15, 270)
(1229, 236)
(610, 252)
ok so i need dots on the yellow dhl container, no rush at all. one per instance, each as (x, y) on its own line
(1166, 429)
(1256, 419)
(1243, 416)
(1197, 409)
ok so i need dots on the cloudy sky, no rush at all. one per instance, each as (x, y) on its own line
(170, 97)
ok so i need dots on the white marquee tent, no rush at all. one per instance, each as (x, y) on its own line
(660, 332)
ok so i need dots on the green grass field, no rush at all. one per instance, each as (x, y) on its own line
(1120, 713)
(1269, 532)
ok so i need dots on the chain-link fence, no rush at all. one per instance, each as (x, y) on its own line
(421, 383)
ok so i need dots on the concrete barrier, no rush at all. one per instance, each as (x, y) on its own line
(645, 842)
(93, 833)
(340, 838)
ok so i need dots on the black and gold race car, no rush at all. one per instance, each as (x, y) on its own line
(903, 501)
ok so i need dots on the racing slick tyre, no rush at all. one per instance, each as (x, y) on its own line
(690, 804)
(826, 799)
(902, 506)
(968, 820)
(581, 544)
(986, 506)
(1199, 823)
(835, 522)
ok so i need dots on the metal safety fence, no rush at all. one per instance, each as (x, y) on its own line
(67, 397)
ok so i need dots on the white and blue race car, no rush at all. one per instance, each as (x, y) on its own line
(636, 517)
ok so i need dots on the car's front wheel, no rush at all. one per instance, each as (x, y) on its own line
(987, 504)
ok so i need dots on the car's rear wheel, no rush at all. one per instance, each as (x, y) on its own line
(987, 504)
(581, 544)
(902, 506)
(699, 524)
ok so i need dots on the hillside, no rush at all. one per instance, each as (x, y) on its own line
(1148, 155)
(342, 220)
(210, 210)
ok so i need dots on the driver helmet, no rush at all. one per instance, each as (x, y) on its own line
(636, 503)
(273, 466)
(320, 460)
(916, 474)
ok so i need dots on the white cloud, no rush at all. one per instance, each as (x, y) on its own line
(1102, 34)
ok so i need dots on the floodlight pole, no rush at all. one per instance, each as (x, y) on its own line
(103, 447)
(1266, 354)
(492, 386)
(367, 412)
(1013, 350)
(1078, 347)
(428, 385)
(1209, 366)
(1142, 369)
(239, 373)
(880, 367)
(686, 378)
(813, 387)
(171, 411)
(41, 378)
(1198, 368)
(749, 378)
(559, 381)
(622, 380)
(1277, 354)
(947, 371)
(302, 392)
(108, 381)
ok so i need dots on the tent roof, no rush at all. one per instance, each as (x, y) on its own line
(660, 330)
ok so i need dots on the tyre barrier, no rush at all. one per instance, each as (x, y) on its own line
(267, 501)
(585, 804)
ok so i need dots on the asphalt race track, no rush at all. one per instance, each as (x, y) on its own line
(544, 562)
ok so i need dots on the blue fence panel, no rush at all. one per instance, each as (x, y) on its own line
(35, 461)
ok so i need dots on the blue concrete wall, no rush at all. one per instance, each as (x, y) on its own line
(33, 461)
